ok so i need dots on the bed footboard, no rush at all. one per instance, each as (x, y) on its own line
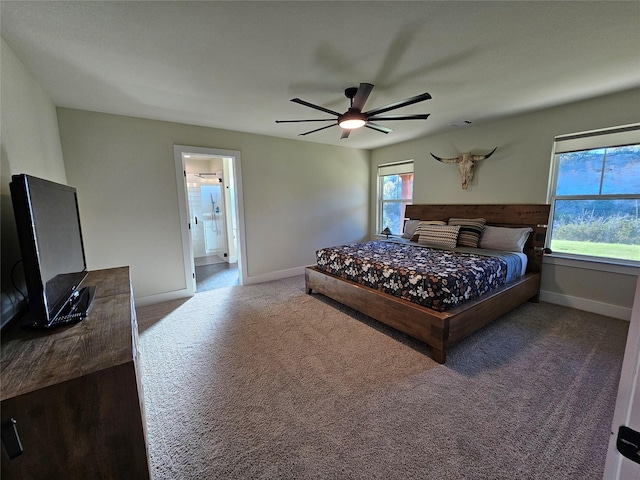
(426, 325)
(439, 330)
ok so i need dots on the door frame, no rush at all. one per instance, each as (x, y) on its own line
(627, 409)
(183, 207)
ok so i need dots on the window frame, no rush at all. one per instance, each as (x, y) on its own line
(595, 139)
(394, 168)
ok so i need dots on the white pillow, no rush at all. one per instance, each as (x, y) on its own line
(410, 228)
(505, 239)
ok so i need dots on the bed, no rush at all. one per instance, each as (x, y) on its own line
(441, 324)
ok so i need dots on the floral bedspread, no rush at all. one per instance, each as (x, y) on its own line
(434, 278)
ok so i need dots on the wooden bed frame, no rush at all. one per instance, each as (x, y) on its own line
(440, 330)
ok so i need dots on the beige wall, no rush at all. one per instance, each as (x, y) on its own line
(298, 196)
(30, 144)
(30, 140)
(518, 172)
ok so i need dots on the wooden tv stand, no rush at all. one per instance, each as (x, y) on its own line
(75, 392)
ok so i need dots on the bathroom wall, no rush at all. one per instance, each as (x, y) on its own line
(208, 235)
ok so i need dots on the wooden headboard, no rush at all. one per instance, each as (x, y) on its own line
(535, 216)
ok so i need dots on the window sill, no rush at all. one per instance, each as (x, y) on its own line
(592, 264)
(384, 237)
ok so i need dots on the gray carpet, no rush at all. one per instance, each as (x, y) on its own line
(266, 381)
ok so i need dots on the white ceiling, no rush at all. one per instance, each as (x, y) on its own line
(235, 65)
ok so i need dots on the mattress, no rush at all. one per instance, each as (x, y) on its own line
(435, 278)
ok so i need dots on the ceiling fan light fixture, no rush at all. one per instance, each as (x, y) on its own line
(351, 124)
(352, 120)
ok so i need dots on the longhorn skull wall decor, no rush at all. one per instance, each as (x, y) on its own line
(466, 164)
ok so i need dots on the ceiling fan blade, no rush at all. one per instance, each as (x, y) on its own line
(419, 116)
(316, 130)
(345, 133)
(364, 90)
(310, 120)
(317, 107)
(403, 103)
(377, 127)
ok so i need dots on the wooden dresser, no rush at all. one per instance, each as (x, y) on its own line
(75, 392)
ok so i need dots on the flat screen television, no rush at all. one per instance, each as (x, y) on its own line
(50, 238)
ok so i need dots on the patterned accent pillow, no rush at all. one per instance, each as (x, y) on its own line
(416, 234)
(444, 236)
(470, 230)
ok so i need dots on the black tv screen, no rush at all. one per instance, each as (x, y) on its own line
(50, 236)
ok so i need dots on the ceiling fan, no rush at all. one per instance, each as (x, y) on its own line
(355, 118)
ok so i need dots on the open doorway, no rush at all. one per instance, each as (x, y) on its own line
(210, 201)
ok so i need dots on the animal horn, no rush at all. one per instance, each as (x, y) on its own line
(477, 158)
(446, 160)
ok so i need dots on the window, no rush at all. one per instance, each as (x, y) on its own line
(595, 195)
(395, 192)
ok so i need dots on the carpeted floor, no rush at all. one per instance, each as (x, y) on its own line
(266, 381)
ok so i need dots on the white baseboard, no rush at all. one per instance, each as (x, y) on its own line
(177, 294)
(279, 275)
(607, 309)
(161, 297)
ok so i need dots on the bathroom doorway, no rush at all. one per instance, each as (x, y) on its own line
(211, 215)
(207, 210)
